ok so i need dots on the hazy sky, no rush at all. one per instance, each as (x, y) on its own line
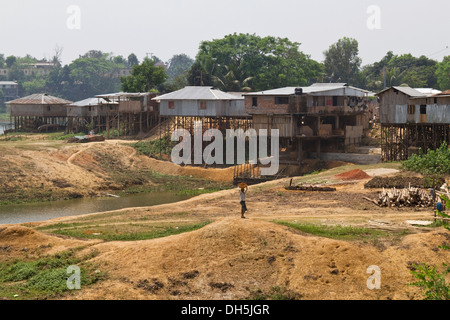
(165, 28)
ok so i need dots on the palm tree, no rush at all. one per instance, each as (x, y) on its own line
(233, 80)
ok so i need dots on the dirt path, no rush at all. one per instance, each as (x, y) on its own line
(234, 258)
(83, 149)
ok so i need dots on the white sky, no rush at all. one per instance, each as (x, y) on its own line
(165, 28)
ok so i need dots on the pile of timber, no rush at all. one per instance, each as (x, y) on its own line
(407, 197)
(310, 187)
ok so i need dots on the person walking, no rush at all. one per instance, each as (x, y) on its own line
(243, 188)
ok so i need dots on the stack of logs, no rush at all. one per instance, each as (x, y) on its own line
(407, 197)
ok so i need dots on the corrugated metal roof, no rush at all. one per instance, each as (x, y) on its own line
(428, 91)
(406, 90)
(10, 83)
(198, 93)
(91, 102)
(39, 98)
(122, 95)
(286, 91)
(314, 88)
(445, 92)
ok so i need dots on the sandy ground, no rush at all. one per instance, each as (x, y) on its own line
(43, 168)
(231, 258)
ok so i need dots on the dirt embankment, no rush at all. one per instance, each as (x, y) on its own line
(235, 258)
(230, 258)
(46, 170)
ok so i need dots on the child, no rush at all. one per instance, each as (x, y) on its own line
(242, 191)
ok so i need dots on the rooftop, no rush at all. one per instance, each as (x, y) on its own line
(90, 102)
(8, 83)
(39, 98)
(314, 88)
(406, 90)
(199, 93)
(122, 95)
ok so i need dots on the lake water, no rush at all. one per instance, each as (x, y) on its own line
(5, 125)
(35, 212)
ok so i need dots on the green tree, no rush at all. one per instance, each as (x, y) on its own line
(10, 61)
(144, 77)
(36, 85)
(248, 61)
(395, 70)
(443, 74)
(2, 60)
(413, 79)
(342, 63)
(119, 61)
(198, 75)
(132, 60)
(59, 83)
(92, 74)
(233, 80)
(178, 65)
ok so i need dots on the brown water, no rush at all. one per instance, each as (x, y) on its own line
(34, 212)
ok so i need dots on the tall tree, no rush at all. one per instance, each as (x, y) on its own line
(253, 62)
(59, 83)
(443, 74)
(144, 77)
(10, 61)
(178, 65)
(56, 59)
(394, 70)
(342, 62)
(132, 60)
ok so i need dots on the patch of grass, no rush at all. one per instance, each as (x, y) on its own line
(275, 293)
(155, 148)
(129, 232)
(334, 232)
(45, 277)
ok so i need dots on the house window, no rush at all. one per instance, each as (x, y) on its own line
(423, 109)
(171, 105)
(202, 105)
(48, 108)
(335, 101)
(411, 109)
(281, 100)
(254, 101)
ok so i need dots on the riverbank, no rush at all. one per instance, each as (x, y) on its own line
(293, 245)
(40, 167)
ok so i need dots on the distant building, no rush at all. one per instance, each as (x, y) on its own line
(411, 119)
(37, 111)
(10, 90)
(201, 101)
(127, 112)
(324, 117)
(38, 68)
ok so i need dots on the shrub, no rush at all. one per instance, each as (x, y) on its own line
(431, 163)
(430, 280)
(156, 147)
